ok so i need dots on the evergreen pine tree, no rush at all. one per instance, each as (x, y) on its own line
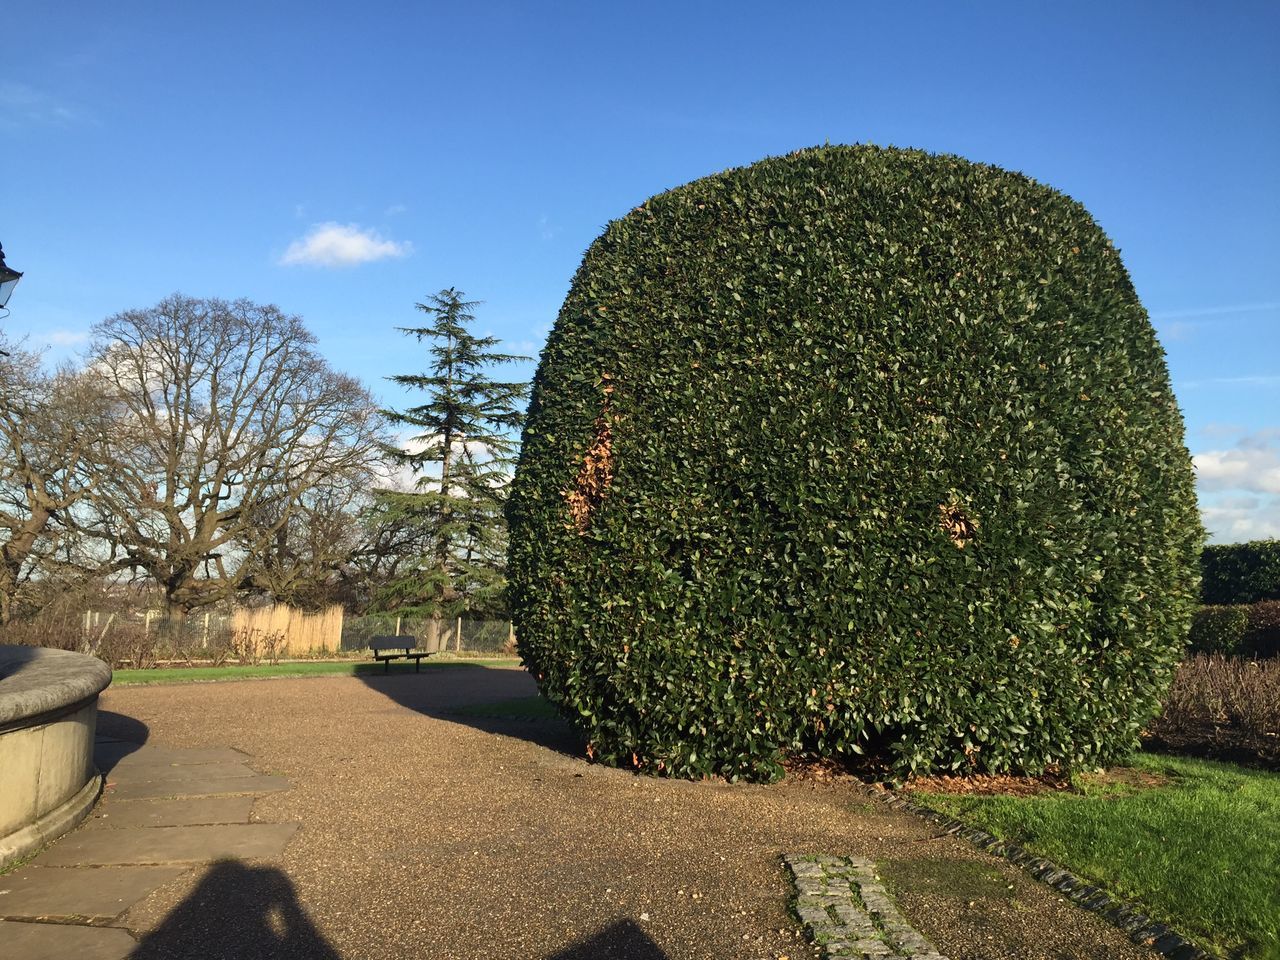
(464, 450)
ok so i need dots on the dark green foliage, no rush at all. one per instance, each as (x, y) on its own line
(1219, 630)
(463, 451)
(854, 450)
(1262, 637)
(1241, 572)
(1238, 630)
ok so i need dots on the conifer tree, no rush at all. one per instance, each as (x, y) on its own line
(463, 450)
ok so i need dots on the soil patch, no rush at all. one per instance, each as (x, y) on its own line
(989, 784)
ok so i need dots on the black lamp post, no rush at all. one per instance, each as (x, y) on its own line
(8, 280)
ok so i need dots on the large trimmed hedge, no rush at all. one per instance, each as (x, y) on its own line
(854, 450)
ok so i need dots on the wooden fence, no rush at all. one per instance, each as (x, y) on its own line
(303, 632)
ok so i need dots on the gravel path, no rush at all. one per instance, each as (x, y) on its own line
(427, 834)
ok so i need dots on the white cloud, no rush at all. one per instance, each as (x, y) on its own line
(1179, 330)
(527, 348)
(1258, 380)
(1224, 430)
(1238, 524)
(402, 477)
(1219, 311)
(68, 338)
(342, 245)
(1239, 487)
(1264, 439)
(1252, 470)
(21, 105)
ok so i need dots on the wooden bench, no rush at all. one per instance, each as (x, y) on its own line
(405, 647)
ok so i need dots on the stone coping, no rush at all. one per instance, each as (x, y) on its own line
(52, 825)
(36, 681)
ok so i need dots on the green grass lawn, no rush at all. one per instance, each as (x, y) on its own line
(1201, 851)
(310, 668)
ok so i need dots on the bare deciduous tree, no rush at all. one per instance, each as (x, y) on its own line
(225, 419)
(52, 430)
(309, 562)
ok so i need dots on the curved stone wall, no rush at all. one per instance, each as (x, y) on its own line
(48, 712)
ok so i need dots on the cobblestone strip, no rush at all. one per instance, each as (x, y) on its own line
(1128, 917)
(847, 912)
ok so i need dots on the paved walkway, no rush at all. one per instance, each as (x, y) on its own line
(165, 811)
(411, 829)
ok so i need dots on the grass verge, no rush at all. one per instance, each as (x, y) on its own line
(1201, 850)
(310, 668)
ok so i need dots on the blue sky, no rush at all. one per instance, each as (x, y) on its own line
(344, 162)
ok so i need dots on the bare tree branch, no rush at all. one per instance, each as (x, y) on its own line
(226, 419)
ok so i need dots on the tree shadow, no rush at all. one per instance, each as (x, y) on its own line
(117, 736)
(621, 940)
(238, 912)
(14, 658)
(458, 694)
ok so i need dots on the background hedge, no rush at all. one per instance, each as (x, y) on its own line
(1238, 630)
(1262, 635)
(1241, 572)
(1220, 629)
(856, 450)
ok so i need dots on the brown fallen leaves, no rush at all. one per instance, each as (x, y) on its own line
(596, 473)
(986, 784)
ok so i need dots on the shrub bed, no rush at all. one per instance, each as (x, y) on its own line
(854, 451)
(1222, 707)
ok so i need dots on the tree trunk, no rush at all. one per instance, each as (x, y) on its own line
(175, 619)
(442, 547)
(14, 553)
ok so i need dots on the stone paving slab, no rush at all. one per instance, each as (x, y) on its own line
(60, 941)
(196, 787)
(120, 753)
(89, 893)
(168, 844)
(184, 812)
(848, 913)
(181, 771)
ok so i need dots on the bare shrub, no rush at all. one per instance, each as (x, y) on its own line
(1223, 693)
(219, 650)
(127, 645)
(250, 645)
(244, 646)
(271, 644)
(59, 634)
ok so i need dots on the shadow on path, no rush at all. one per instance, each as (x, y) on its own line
(442, 692)
(238, 912)
(623, 940)
(117, 736)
